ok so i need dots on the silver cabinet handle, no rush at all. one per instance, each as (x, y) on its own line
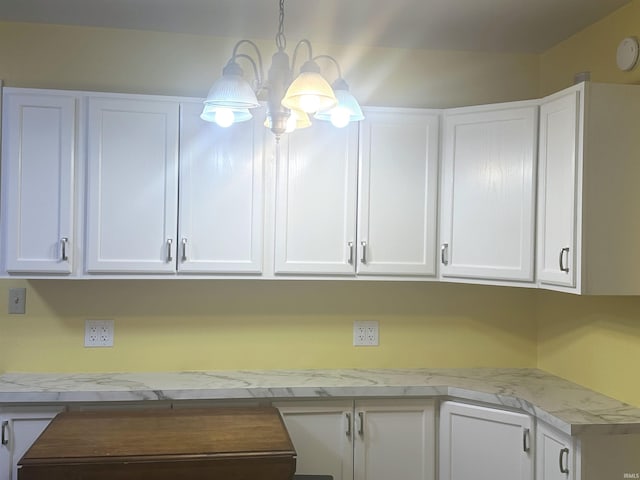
(361, 423)
(348, 417)
(184, 249)
(525, 440)
(564, 467)
(561, 260)
(350, 245)
(169, 249)
(63, 248)
(444, 254)
(5, 436)
(363, 258)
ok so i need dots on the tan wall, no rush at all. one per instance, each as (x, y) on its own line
(99, 59)
(592, 341)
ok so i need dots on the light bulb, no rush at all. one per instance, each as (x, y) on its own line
(309, 103)
(224, 117)
(291, 122)
(340, 117)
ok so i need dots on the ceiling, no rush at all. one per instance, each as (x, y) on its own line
(527, 26)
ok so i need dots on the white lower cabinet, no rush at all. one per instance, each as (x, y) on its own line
(555, 454)
(21, 426)
(363, 440)
(484, 443)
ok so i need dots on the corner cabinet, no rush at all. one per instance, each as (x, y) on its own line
(363, 440)
(482, 442)
(38, 171)
(588, 227)
(487, 208)
(359, 200)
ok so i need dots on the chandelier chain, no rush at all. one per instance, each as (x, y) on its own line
(281, 40)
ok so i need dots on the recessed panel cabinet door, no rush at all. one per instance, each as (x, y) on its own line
(221, 195)
(557, 189)
(322, 434)
(480, 442)
(395, 439)
(132, 188)
(38, 175)
(398, 192)
(554, 454)
(316, 200)
(488, 194)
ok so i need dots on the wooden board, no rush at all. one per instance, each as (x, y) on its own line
(230, 443)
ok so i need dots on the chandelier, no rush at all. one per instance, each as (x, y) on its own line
(289, 103)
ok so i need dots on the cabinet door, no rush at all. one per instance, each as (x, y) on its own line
(479, 442)
(221, 195)
(557, 177)
(397, 189)
(488, 195)
(20, 428)
(132, 194)
(316, 201)
(554, 454)
(322, 434)
(38, 167)
(395, 439)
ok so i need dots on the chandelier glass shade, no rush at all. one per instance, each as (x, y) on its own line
(231, 97)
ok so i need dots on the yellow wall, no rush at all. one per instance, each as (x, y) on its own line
(198, 325)
(592, 341)
(592, 50)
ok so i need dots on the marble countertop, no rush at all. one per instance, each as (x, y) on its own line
(565, 405)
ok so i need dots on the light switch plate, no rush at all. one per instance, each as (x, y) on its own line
(17, 300)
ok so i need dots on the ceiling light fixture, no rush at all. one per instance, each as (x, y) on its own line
(231, 97)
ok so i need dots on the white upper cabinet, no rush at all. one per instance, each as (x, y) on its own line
(221, 195)
(487, 211)
(559, 126)
(588, 195)
(398, 192)
(39, 148)
(132, 185)
(315, 229)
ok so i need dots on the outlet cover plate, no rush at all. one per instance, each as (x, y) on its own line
(98, 333)
(365, 333)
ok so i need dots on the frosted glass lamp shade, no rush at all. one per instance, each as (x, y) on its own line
(310, 93)
(347, 110)
(231, 90)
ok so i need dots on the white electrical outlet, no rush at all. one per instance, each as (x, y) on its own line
(98, 333)
(365, 333)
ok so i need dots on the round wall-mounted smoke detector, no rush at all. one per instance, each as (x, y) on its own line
(627, 55)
